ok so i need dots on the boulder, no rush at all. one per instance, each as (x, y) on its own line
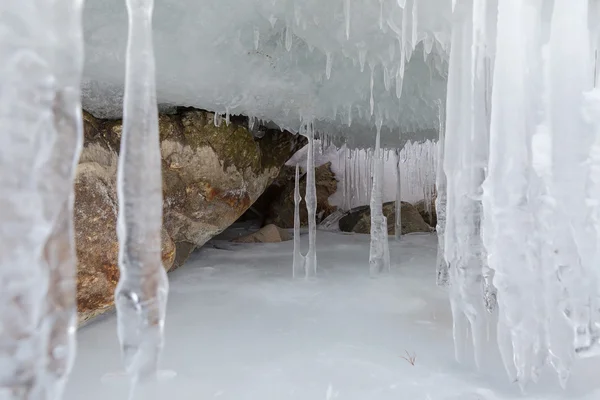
(267, 234)
(211, 175)
(278, 200)
(358, 220)
(428, 216)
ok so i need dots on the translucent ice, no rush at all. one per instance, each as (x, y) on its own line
(141, 293)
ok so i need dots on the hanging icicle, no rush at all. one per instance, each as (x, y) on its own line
(379, 257)
(311, 204)
(398, 211)
(141, 293)
(442, 278)
(40, 113)
(298, 261)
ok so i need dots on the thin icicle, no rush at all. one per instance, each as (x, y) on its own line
(288, 38)
(347, 17)
(328, 64)
(298, 262)
(398, 224)
(141, 293)
(379, 258)
(311, 205)
(256, 37)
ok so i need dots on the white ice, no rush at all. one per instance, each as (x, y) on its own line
(240, 328)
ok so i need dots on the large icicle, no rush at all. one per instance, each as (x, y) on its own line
(141, 294)
(311, 204)
(442, 278)
(464, 173)
(379, 257)
(60, 319)
(40, 115)
(298, 261)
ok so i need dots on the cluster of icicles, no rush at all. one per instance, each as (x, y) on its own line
(521, 224)
(40, 113)
(518, 199)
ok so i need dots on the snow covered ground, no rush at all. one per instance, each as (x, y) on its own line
(239, 328)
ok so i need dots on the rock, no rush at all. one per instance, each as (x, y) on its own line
(267, 234)
(358, 220)
(96, 241)
(278, 201)
(429, 217)
(211, 175)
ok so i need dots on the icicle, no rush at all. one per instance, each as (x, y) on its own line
(349, 114)
(379, 257)
(288, 38)
(217, 119)
(256, 37)
(415, 20)
(298, 262)
(399, 80)
(362, 58)
(40, 113)
(227, 116)
(398, 214)
(141, 293)
(401, 3)
(442, 278)
(347, 16)
(371, 102)
(381, 15)
(463, 247)
(328, 64)
(311, 205)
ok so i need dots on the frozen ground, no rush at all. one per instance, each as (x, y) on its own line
(239, 328)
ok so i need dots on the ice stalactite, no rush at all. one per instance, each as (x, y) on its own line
(40, 113)
(442, 277)
(60, 315)
(398, 211)
(463, 244)
(298, 261)
(379, 256)
(311, 204)
(141, 293)
(573, 262)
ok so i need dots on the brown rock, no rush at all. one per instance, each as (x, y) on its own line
(430, 217)
(358, 220)
(95, 232)
(211, 175)
(267, 234)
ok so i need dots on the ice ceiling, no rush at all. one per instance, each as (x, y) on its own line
(338, 62)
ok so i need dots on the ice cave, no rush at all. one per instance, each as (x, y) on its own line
(299, 199)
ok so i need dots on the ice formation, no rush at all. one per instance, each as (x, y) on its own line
(40, 114)
(141, 293)
(310, 262)
(379, 254)
(298, 261)
(398, 211)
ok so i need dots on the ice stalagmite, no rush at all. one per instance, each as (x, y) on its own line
(311, 204)
(464, 173)
(298, 261)
(40, 115)
(442, 278)
(379, 257)
(398, 211)
(141, 293)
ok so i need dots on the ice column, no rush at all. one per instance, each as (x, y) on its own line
(311, 204)
(379, 256)
(442, 278)
(464, 173)
(398, 214)
(298, 261)
(141, 294)
(60, 320)
(40, 115)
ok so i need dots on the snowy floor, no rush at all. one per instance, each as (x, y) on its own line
(239, 328)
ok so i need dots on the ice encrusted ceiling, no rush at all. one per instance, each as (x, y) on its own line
(333, 61)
